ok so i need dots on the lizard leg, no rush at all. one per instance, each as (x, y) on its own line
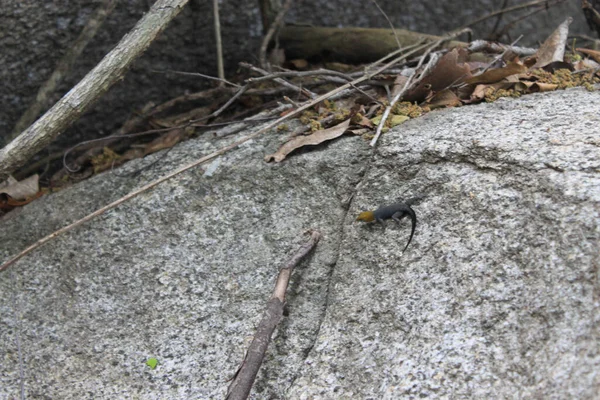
(398, 215)
(381, 222)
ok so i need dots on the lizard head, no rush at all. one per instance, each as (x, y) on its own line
(366, 216)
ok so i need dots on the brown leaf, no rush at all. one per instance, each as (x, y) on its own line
(447, 71)
(445, 98)
(299, 63)
(314, 139)
(7, 203)
(496, 75)
(399, 83)
(165, 141)
(595, 54)
(534, 87)
(556, 65)
(586, 64)
(480, 90)
(22, 190)
(553, 49)
(361, 120)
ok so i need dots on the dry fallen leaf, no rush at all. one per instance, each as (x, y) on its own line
(165, 141)
(553, 49)
(313, 139)
(399, 83)
(445, 98)
(496, 75)
(595, 54)
(299, 63)
(24, 189)
(449, 70)
(480, 90)
(534, 87)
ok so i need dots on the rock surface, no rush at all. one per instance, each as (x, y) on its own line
(498, 295)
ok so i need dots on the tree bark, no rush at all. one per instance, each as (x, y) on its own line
(85, 94)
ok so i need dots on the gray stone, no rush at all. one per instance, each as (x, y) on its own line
(496, 297)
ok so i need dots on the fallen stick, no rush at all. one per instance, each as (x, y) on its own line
(64, 66)
(244, 377)
(85, 94)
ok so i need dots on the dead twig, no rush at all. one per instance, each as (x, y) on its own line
(240, 387)
(389, 22)
(64, 66)
(85, 94)
(220, 69)
(283, 82)
(213, 78)
(262, 57)
(296, 74)
(536, 3)
(492, 47)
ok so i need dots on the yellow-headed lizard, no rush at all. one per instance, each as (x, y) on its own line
(395, 211)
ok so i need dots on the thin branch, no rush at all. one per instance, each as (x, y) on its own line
(240, 387)
(91, 88)
(202, 160)
(296, 74)
(272, 29)
(214, 78)
(389, 22)
(536, 3)
(220, 69)
(493, 47)
(283, 82)
(390, 55)
(64, 66)
(498, 20)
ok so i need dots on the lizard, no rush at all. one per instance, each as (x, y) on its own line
(395, 211)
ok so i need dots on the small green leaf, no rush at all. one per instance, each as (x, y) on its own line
(152, 362)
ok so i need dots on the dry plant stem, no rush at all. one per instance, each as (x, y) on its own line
(272, 29)
(64, 66)
(220, 69)
(213, 78)
(483, 45)
(390, 55)
(409, 82)
(240, 387)
(282, 82)
(204, 159)
(389, 22)
(80, 99)
(296, 74)
(536, 3)
(499, 56)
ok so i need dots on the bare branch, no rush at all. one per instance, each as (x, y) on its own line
(240, 387)
(272, 29)
(64, 66)
(389, 22)
(283, 82)
(535, 3)
(85, 94)
(220, 69)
